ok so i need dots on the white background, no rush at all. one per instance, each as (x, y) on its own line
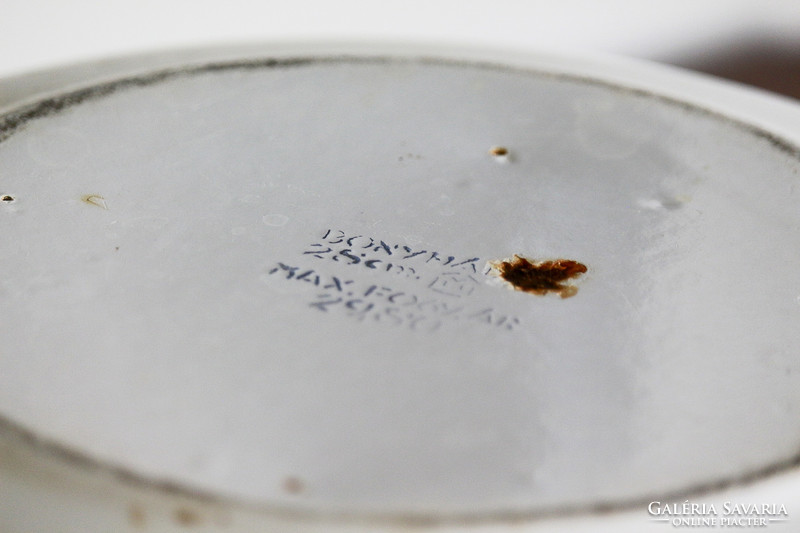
(36, 34)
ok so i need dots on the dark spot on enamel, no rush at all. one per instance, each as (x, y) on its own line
(541, 277)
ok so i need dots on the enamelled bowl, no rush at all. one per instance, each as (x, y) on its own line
(395, 288)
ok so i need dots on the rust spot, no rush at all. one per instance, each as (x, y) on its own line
(8, 198)
(186, 517)
(95, 199)
(136, 516)
(542, 277)
(498, 151)
(293, 485)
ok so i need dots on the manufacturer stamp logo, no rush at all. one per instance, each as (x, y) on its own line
(374, 281)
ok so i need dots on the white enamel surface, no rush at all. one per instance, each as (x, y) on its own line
(154, 327)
